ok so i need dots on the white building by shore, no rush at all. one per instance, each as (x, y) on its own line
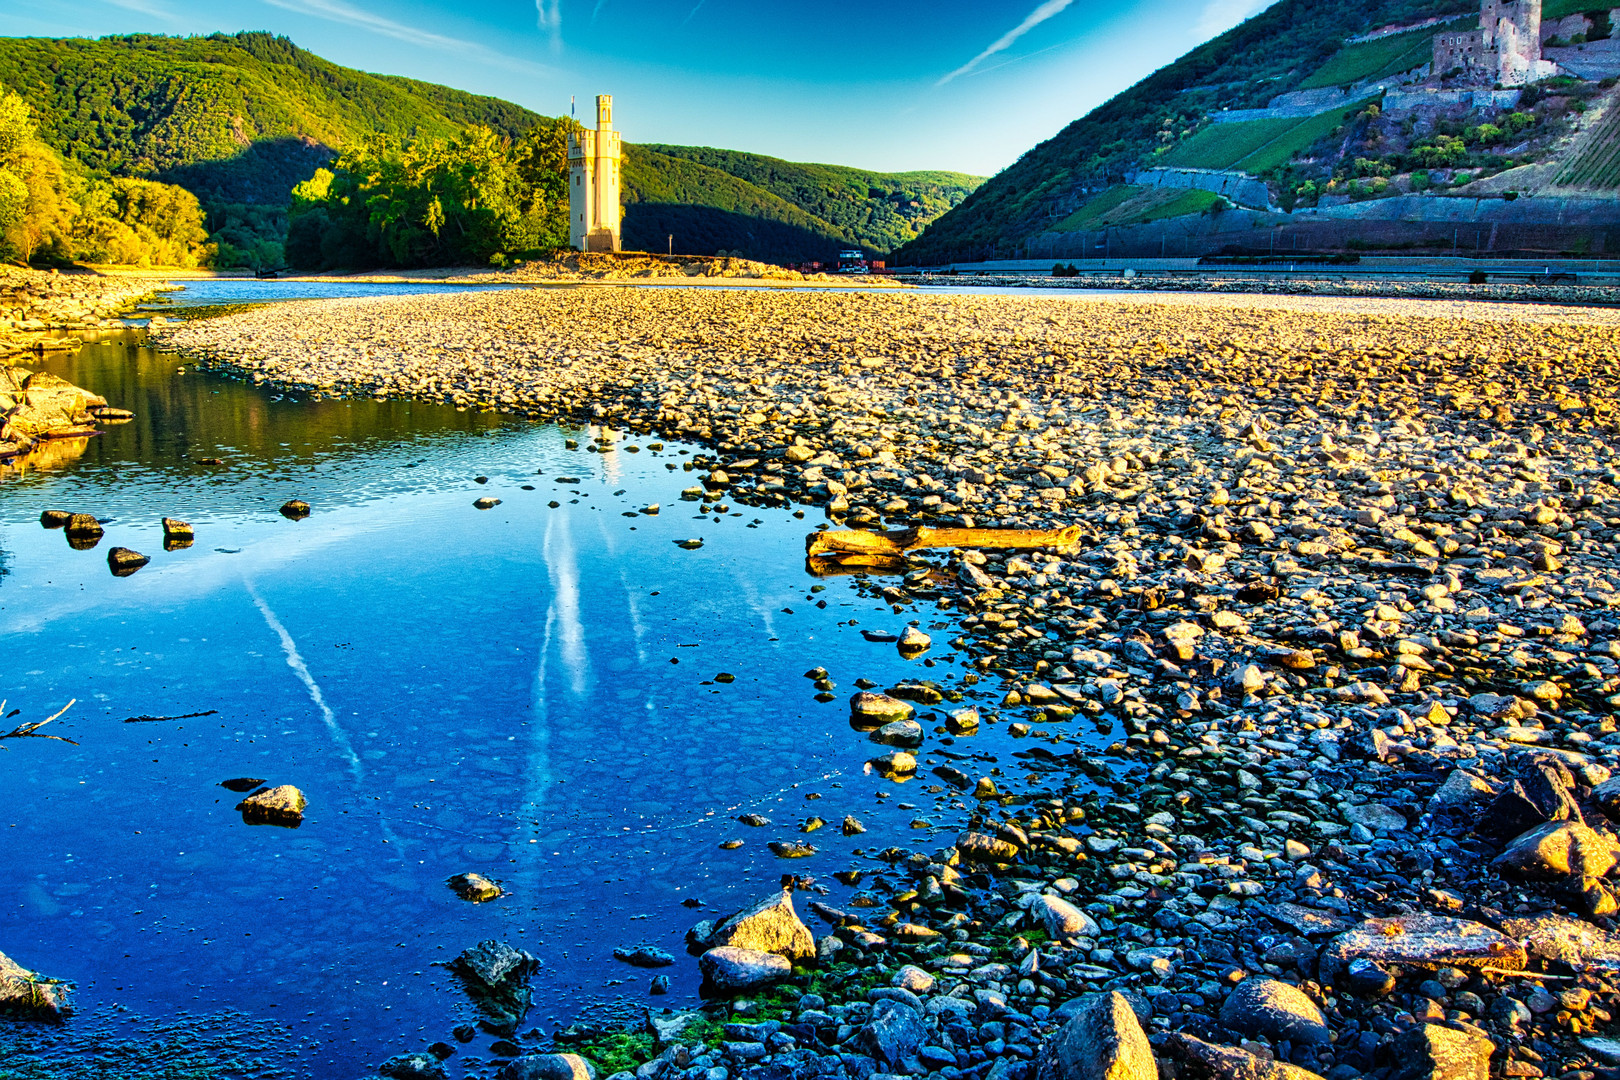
(593, 183)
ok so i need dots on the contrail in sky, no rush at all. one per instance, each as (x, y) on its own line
(1005, 41)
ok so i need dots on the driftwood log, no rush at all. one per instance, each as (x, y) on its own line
(857, 547)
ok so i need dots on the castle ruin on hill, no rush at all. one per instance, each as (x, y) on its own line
(1504, 49)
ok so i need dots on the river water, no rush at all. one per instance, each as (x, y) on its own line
(527, 692)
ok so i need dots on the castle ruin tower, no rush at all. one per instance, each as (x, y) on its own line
(593, 183)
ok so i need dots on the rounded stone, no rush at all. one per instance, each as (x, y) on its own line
(1276, 1010)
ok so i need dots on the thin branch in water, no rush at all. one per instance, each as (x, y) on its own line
(31, 731)
(155, 719)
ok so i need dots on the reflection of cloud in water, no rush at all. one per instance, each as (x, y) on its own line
(632, 602)
(755, 601)
(562, 566)
(296, 662)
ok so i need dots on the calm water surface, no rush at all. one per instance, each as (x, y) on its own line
(526, 692)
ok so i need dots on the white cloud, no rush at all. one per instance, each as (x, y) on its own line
(548, 16)
(695, 9)
(1220, 16)
(1005, 41)
(341, 12)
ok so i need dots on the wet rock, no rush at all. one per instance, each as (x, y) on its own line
(474, 887)
(493, 962)
(899, 763)
(770, 925)
(791, 850)
(852, 826)
(659, 985)
(1063, 922)
(1416, 942)
(1375, 816)
(177, 534)
(295, 510)
(1366, 978)
(978, 847)
(644, 956)
(1195, 1059)
(55, 519)
(124, 562)
(421, 1065)
(32, 996)
(486, 503)
(1102, 1041)
(83, 527)
(906, 733)
(962, 721)
(1276, 1010)
(1559, 849)
(728, 969)
(283, 805)
(690, 544)
(879, 709)
(240, 784)
(548, 1067)
(913, 641)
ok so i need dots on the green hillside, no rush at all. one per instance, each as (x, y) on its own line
(880, 211)
(1281, 48)
(240, 119)
(707, 210)
(233, 118)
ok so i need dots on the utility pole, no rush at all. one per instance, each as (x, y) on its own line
(672, 244)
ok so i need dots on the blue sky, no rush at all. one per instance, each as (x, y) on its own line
(948, 84)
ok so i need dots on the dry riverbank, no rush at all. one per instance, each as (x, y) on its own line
(34, 304)
(1343, 612)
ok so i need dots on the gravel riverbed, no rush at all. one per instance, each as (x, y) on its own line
(1319, 711)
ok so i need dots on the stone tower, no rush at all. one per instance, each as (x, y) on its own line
(593, 183)
(1505, 48)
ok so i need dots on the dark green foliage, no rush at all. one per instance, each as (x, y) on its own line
(879, 211)
(473, 199)
(1243, 68)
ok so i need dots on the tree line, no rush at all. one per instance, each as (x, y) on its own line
(52, 210)
(478, 198)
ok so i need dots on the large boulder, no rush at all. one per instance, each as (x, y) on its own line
(1421, 942)
(1559, 849)
(1276, 1010)
(895, 1032)
(1195, 1059)
(548, 1067)
(1434, 1052)
(728, 969)
(771, 925)
(1102, 1041)
(30, 995)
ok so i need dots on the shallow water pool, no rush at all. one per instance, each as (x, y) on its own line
(527, 692)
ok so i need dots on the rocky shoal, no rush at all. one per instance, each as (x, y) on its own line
(35, 304)
(1341, 607)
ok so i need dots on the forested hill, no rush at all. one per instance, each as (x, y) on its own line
(240, 119)
(1294, 44)
(235, 118)
(880, 210)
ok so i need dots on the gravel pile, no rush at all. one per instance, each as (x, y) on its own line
(1342, 612)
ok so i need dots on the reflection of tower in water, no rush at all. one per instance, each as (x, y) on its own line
(608, 448)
